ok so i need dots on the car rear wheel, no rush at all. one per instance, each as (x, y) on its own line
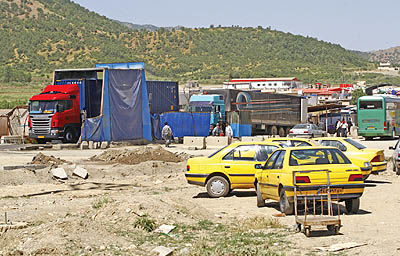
(284, 205)
(352, 205)
(260, 200)
(217, 186)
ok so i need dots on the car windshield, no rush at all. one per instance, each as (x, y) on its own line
(300, 126)
(355, 143)
(43, 106)
(317, 156)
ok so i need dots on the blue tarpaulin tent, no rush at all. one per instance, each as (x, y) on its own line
(185, 123)
(124, 112)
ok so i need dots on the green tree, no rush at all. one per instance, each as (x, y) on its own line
(357, 93)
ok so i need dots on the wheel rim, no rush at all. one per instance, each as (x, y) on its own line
(217, 187)
(68, 136)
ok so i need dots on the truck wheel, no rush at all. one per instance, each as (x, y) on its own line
(284, 205)
(69, 136)
(260, 200)
(282, 132)
(217, 186)
(274, 130)
(288, 131)
(352, 205)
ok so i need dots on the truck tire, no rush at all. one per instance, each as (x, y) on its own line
(282, 132)
(274, 130)
(70, 135)
(288, 131)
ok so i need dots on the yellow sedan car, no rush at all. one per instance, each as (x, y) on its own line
(231, 167)
(275, 179)
(358, 159)
(353, 148)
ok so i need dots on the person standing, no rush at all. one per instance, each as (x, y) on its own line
(167, 134)
(344, 129)
(338, 128)
(217, 130)
(229, 133)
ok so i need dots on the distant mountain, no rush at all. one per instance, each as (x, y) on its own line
(39, 36)
(391, 55)
(148, 27)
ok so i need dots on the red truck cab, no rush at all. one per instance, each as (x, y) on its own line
(55, 114)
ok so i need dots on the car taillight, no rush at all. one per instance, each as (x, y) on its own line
(305, 131)
(398, 155)
(385, 125)
(355, 177)
(302, 179)
(290, 131)
(357, 124)
(376, 159)
(187, 168)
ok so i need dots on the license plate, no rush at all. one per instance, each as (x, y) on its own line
(371, 127)
(333, 191)
(40, 137)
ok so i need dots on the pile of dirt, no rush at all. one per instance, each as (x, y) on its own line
(47, 160)
(139, 155)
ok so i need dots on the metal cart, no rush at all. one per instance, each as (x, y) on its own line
(332, 223)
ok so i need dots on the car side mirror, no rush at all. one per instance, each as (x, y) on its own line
(258, 166)
(391, 148)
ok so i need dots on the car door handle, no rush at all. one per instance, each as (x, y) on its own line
(227, 166)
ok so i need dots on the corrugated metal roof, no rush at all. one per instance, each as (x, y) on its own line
(264, 79)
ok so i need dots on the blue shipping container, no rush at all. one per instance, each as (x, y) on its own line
(163, 96)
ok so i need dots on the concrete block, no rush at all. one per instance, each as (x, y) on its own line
(80, 172)
(194, 142)
(59, 173)
(252, 138)
(216, 142)
(91, 144)
(84, 145)
(104, 145)
(162, 251)
(57, 146)
(12, 139)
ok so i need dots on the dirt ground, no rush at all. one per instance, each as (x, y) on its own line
(97, 216)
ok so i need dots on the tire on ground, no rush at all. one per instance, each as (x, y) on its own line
(274, 130)
(260, 200)
(282, 132)
(352, 205)
(284, 205)
(217, 186)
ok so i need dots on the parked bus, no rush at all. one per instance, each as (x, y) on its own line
(378, 116)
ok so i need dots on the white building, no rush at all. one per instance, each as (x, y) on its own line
(279, 84)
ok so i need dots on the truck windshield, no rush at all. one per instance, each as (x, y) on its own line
(43, 106)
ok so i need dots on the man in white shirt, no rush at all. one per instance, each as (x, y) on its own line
(167, 134)
(229, 132)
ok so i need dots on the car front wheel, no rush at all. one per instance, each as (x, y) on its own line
(217, 186)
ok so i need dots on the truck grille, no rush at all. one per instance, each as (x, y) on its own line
(41, 124)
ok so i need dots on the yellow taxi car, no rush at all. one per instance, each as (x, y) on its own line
(275, 180)
(231, 167)
(293, 142)
(360, 160)
(353, 148)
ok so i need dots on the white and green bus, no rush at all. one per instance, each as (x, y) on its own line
(378, 116)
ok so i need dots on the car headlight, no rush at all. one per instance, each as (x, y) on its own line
(367, 164)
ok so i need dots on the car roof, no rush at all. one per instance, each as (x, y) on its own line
(330, 138)
(256, 143)
(286, 138)
(309, 147)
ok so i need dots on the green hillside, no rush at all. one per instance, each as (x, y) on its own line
(38, 36)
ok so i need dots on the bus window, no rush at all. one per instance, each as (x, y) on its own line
(375, 104)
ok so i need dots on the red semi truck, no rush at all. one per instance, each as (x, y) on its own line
(55, 114)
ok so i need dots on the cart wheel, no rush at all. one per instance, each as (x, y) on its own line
(331, 228)
(307, 231)
(337, 229)
(298, 228)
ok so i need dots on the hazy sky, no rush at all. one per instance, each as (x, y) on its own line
(354, 24)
